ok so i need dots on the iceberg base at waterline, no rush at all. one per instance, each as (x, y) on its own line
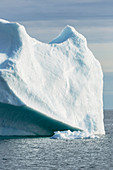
(24, 121)
(57, 82)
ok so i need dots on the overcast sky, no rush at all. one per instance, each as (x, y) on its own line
(44, 19)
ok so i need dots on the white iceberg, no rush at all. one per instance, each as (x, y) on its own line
(62, 79)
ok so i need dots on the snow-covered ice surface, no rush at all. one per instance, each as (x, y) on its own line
(62, 79)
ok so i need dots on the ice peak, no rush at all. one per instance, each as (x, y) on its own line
(68, 32)
(11, 37)
(69, 29)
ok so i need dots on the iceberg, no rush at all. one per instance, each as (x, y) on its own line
(61, 80)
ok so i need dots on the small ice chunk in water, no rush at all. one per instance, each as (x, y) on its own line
(73, 135)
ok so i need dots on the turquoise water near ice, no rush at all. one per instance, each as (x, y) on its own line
(24, 121)
(53, 154)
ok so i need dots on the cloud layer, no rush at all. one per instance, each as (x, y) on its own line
(61, 9)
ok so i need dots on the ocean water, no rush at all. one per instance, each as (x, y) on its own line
(46, 153)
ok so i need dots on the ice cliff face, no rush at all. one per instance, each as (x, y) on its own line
(62, 79)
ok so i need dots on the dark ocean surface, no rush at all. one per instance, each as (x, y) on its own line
(46, 153)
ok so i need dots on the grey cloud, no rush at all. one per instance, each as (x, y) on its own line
(55, 10)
